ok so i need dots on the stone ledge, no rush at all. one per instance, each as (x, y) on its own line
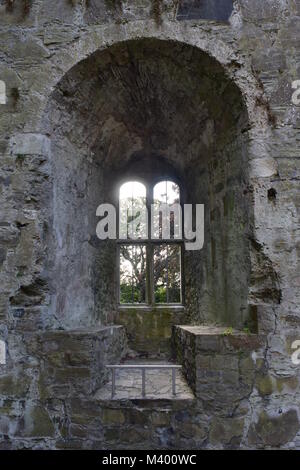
(30, 144)
(212, 338)
(84, 332)
(146, 403)
(73, 361)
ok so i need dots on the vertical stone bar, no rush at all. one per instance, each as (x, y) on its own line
(143, 382)
(173, 381)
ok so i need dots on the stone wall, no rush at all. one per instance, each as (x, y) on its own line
(218, 277)
(228, 372)
(48, 259)
(52, 369)
(118, 116)
(149, 330)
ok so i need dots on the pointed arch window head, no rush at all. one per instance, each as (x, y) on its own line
(166, 192)
(166, 215)
(150, 269)
(132, 190)
(133, 217)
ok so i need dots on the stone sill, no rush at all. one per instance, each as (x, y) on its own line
(151, 308)
(211, 338)
(163, 404)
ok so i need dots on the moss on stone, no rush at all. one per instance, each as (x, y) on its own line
(264, 385)
(290, 383)
(226, 430)
(274, 430)
(160, 418)
(112, 417)
(16, 386)
(149, 330)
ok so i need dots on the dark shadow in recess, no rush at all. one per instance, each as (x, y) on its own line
(219, 10)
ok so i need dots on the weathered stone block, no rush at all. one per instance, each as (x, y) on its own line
(74, 361)
(37, 422)
(65, 12)
(227, 431)
(269, 10)
(264, 385)
(112, 417)
(222, 371)
(30, 144)
(274, 431)
(14, 385)
(84, 412)
(287, 383)
(98, 11)
(205, 9)
(160, 418)
(138, 417)
(194, 431)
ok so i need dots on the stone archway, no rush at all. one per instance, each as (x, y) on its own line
(148, 104)
(222, 169)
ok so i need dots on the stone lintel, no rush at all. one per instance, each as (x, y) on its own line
(30, 144)
(83, 333)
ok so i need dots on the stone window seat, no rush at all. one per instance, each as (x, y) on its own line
(219, 365)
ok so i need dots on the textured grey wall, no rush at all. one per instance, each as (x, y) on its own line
(48, 154)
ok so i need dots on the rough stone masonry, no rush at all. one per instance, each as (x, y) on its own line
(97, 91)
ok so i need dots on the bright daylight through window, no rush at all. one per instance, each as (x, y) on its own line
(150, 270)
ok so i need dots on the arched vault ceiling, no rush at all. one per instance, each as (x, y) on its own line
(148, 96)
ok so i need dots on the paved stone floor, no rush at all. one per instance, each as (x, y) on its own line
(158, 384)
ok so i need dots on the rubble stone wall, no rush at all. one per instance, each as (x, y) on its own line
(257, 48)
